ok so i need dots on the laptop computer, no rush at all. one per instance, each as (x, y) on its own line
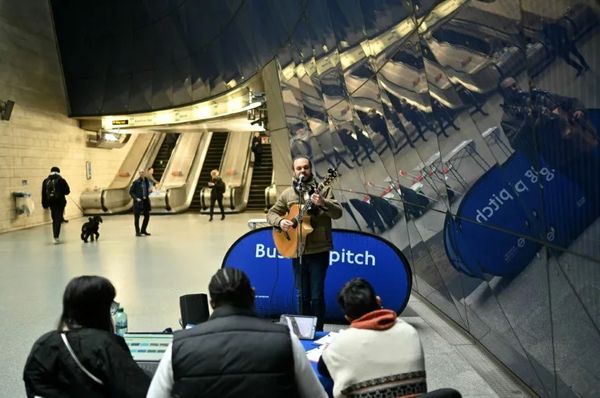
(147, 349)
(303, 326)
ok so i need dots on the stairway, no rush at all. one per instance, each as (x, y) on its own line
(211, 162)
(164, 154)
(261, 178)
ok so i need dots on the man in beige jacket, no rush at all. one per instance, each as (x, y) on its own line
(310, 266)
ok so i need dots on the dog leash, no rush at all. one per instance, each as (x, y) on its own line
(75, 203)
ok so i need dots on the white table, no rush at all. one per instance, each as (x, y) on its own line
(493, 135)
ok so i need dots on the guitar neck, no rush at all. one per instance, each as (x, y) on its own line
(308, 204)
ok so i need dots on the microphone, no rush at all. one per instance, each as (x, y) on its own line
(300, 182)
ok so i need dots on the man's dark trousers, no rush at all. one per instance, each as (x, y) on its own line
(309, 281)
(56, 212)
(144, 209)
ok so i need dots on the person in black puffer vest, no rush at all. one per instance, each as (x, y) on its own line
(234, 353)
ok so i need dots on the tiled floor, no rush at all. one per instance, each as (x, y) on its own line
(150, 273)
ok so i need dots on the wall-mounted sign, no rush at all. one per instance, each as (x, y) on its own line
(88, 170)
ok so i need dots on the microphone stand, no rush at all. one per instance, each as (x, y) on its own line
(300, 248)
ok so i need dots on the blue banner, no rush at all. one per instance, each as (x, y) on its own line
(355, 254)
(507, 214)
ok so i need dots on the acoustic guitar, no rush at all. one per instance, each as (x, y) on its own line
(292, 242)
(580, 133)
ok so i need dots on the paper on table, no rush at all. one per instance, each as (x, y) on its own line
(328, 338)
(314, 354)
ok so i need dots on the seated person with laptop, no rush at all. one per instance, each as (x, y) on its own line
(83, 357)
(234, 353)
(379, 355)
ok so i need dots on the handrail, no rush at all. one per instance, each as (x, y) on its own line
(235, 170)
(115, 198)
(181, 174)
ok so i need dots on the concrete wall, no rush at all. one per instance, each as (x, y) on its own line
(39, 135)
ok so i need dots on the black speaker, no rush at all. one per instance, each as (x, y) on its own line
(7, 110)
(194, 309)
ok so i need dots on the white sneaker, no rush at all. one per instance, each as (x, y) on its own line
(56, 241)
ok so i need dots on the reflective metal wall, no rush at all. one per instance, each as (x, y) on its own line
(466, 134)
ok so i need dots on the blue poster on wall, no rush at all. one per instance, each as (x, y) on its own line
(355, 254)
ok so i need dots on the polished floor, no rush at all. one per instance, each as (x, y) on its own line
(150, 273)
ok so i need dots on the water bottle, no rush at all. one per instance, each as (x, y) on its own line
(121, 322)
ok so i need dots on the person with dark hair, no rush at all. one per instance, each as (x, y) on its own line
(235, 353)
(140, 192)
(545, 126)
(443, 116)
(84, 357)
(377, 123)
(365, 142)
(415, 117)
(311, 261)
(379, 355)
(257, 149)
(217, 189)
(557, 37)
(350, 144)
(54, 192)
(391, 115)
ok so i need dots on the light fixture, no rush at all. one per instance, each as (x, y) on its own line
(202, 112)
(110, 137)
(164, 117)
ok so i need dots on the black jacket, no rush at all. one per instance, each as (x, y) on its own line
(532, 128)
(136, 191)
(257, 145)
(234, 354)
(50, 370)
(62, 190)
(218, 189)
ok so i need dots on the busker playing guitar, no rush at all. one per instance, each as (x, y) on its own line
(312, 235)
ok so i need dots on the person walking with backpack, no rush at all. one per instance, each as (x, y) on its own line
(54, 192)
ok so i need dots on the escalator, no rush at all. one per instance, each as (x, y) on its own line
(261, 179)
(115, 197)
(164, 154)
(211, 162)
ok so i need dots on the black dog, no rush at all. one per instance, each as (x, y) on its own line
(90, 229)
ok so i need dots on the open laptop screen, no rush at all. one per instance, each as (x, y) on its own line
(303, 326)
(147, 347)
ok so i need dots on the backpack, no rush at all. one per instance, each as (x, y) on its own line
(51, 192)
